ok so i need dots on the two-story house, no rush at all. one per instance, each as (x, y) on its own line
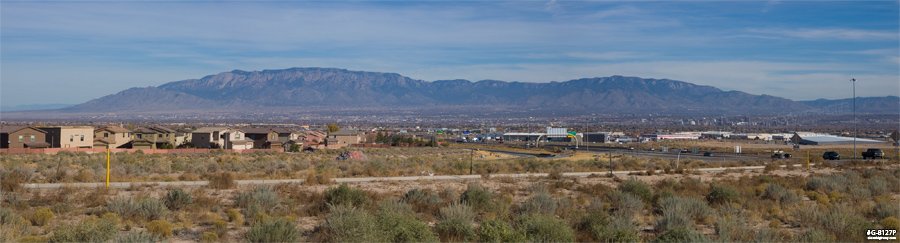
(111, 137)
(22, 137)
(69, 136)
(152, 137)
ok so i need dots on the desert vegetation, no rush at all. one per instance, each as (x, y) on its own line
(772, 207)
(319, 166)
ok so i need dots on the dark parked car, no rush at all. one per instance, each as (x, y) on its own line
(781, 156)
(708, 154)
(831, 155)
(873, 154)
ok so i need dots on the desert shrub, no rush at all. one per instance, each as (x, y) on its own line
(625, 203)
(235, 216)
(209, 236)
(680, 235)
(720, 194)
(137, 237)
(41, 216)
(425, 201)
(681, 212)
(220, 227)
(398, 223)
(344, 195)
(605, 228)
(815, 235)
(224, 180)
(780, 194)
(90, 230)
(884, 209)
(638, 188)
(11, 181)
(478, 197)
(144, 208)
(258, 200)
(177, 199)
(273, 230)
(890, 223)
(840, 220)
(540, 202)
(6, 216)
(12, 225)
(349, 224)
(546, 228)
(455, 223)
(160, 228)
(499, 231)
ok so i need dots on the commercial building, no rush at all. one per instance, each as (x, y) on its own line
(827, 139)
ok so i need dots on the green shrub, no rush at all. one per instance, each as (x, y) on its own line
(349, 224)
(273, 230)
(425, 201)
(137, 237)
(546, 228)
(625, 203)
(681, 212)
(638, 188)
(605, 228)
(540, 202)
(478, 197)
(144, 208)
(160, 228)
(209, 237)
(499, 231)
(398, 223)
(884, 209)
(680, 235)
(815, 235)
(224, 180)
(41, 216)
(89, 230)
(720, 194)
(890, 223)
(235, 216)
(344, 195)
(258, 202)
(455, 223)
(177, 199)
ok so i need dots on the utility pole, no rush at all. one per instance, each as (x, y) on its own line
(855, 123)
(609, 155)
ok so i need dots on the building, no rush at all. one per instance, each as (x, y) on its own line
(22, 137)
(523, 136)
(827, 139)
(676, 136)
(556, 134)
(111, 137)
(219, 137)
(69, 136)
(269, 137)
(153, 137)
(595, 137)
(342, 139)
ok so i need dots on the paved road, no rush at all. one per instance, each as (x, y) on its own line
(355, 179)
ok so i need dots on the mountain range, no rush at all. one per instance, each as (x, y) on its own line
(332, 88)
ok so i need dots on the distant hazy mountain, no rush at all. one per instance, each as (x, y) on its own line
(33, 107)
(881, 105)
(299, 88)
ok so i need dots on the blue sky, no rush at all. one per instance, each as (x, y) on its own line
(72, 52)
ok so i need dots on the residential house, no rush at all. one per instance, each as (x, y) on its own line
(269, 137)
(342, 139)
(22, 137)
(182, 137)
(220, 137)
(111, 137)
(69, 136)
(153, 137)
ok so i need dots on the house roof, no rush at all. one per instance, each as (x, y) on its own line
(153, 129)
(115, 129)
(210, 129)
(266, 130)
(344, 133)
(12, 129)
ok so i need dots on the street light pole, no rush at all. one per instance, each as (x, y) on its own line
(855, 123)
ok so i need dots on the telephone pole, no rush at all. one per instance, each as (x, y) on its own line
(855, 123)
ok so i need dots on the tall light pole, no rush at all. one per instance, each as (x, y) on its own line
(855, 123)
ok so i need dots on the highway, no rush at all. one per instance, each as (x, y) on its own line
(123, 185)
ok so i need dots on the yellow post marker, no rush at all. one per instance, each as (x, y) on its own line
(807, 161)
(107, 167)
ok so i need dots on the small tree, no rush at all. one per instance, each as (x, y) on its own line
(333, 127)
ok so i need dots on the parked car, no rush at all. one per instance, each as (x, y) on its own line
(781, 156)
(831, 155)
(873, 154)
(708, 154)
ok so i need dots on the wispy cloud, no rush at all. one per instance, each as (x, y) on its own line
(827, 33)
